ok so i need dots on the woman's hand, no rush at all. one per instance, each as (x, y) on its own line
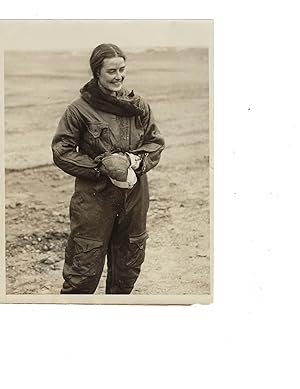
(135, 160)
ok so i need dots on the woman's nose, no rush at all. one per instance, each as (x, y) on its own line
(118, 76)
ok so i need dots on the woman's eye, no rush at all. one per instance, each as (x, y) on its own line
(112, 71)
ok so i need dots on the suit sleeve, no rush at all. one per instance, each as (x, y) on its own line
(65, 147)
(153, 144)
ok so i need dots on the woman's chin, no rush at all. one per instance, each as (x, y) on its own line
(116, 87)
(110, 89)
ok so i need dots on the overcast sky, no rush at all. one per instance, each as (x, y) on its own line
(71, 34)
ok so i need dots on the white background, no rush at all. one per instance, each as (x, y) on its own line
(249, 336)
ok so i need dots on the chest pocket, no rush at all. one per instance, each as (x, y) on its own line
(101, 136)
(97, 128)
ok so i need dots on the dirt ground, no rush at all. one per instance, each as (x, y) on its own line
(38, 193)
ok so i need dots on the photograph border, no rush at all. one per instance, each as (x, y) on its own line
(110, 299)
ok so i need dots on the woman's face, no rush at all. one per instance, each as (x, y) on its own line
(112, 75)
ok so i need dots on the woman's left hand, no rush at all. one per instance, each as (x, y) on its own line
(135, 160)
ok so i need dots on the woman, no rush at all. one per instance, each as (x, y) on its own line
(108, 139)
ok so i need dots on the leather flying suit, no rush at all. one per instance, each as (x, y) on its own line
(105, 219)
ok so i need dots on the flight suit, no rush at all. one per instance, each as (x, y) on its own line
(105, 219)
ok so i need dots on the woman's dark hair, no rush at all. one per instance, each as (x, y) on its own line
(105, 50)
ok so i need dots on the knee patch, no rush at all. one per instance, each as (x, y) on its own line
(87, 256)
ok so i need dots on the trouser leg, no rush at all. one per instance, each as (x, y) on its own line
(92, 218)
(126, 250)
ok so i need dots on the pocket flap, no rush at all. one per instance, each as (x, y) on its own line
(139, 240)
(87, 244)
(96, 128)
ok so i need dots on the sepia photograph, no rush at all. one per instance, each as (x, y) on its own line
(108, 129)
